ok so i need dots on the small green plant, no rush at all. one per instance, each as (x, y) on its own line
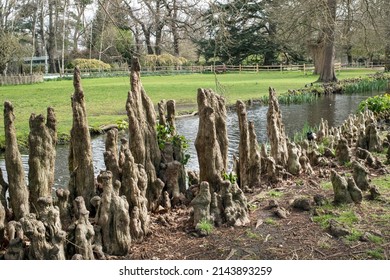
(348, 164)
(122, 124)
(229, 176)
(275, 193)
(376, 254)
(205, 226)
(270, 221)
(253, 235)
(327, 185)
(377, 104)
(355, 235)
(375, 239)
(165, 133)
(300, 136)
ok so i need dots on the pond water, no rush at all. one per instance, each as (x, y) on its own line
(333, 108)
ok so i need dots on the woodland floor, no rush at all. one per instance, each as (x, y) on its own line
(302, 235)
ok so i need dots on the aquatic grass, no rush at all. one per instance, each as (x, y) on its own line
(365, 85)
(300, 136)
(297, 98)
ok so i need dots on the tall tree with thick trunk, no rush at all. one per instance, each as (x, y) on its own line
(327, 71)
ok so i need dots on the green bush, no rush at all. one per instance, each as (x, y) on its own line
(90, 64)
(376, 104)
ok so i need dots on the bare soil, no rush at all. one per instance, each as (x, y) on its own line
(269, 237)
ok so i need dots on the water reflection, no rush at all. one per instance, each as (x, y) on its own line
(333, 108)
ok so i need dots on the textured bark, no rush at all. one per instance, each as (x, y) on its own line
(374, 143)
(201, 204)
(323, 131)
(275, 131)
(360, 175)
(211, 141)
(42, 153)
(3, 189)
(64, 206)
(82, 182)
(235, 206)
(2, 223)
(340, 188)
(327, 71)
(46, 237)
(355, 193)
(161, 113)
(249, 154)
(15, 250)
(172, 170)
(82, 231)
(171, 113)
(388, 148)
(49, 215)
(113, 218)
(343, 152)
(134, 186)
(18, 190)
(172, 175)
(111, 155)
(142, 131)
(293, 164)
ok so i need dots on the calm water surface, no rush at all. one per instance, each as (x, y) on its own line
(334, 108)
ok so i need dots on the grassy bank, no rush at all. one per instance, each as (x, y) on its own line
(106, 97)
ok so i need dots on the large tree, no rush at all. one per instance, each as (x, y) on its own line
(9, 50)
(326, 63)
(239, 30)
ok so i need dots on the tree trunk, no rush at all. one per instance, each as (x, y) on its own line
(327, 72)
(175, 33)
(51, 47)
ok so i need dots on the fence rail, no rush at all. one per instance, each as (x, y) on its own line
(20, 79)
(306, 68)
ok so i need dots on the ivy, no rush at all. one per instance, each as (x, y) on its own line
(165, 134)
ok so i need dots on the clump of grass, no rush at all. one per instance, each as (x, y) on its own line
(383, 182)
(326, 185)
(355, 235)
(275, 193)
(376, 254)
(205, 227)
(365, 85)
(298, 98)
(253, 235)
(375, 239)
(270, 221)
(300, 136)
(341, 214)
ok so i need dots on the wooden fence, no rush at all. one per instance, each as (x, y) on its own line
(306, 68)
(20, 79)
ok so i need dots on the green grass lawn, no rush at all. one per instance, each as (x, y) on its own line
(106, 97)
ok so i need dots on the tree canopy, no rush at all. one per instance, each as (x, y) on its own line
(226, 31)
